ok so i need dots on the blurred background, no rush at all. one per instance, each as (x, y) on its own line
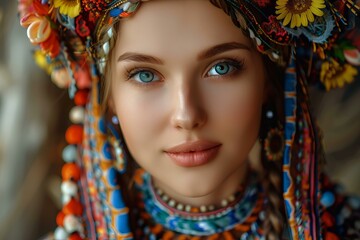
(34, 117)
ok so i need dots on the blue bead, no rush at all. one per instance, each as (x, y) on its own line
(122, 223)
(327, 199)
(112, 176)
(69, 154)
(102, 126)
(117, 199)
(116, 12)
(106, 150)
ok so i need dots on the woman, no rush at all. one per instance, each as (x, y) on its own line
(178, 99)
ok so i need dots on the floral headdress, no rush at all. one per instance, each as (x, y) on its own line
(317, 40)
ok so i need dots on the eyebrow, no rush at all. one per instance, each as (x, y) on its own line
(137, 57)
(224, 47)
(208, 53)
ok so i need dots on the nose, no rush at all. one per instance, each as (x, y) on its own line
(189, 112)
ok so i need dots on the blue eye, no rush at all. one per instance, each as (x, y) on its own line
(144, 76)
(223, 68)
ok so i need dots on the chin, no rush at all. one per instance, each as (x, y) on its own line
(195, 185)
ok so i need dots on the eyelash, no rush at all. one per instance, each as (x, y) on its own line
(238, 64)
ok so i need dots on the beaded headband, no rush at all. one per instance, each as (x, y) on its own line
(317, 40)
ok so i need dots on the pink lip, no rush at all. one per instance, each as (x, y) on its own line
(195, 153)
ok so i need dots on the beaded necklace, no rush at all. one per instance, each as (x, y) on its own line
(240, 219)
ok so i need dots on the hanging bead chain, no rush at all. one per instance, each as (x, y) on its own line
(187, 208)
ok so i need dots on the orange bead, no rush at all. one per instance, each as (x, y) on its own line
(228, 236)
(74, 134)
(182, 237)
(195, 210)
(74, 236)
(60, 219)
(70, 171)
(124, 14)
(73, 207)
(156, 229)
(168, 235)
(81, 97)
(214, 237)
(242, 227)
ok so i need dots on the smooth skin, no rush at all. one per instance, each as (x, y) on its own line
(169, 85)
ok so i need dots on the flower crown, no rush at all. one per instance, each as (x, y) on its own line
(70, 33)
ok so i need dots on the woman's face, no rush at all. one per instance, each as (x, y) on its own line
(185, 79)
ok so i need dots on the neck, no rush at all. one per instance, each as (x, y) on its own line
(225, 189)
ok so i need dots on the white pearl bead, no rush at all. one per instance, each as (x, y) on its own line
(118, 151)
(180, 207)
(69, 188)
(172, 203)
(72, 223)
(69, 154)
(231, 198)
(211, 208)
(165, 198)
(159, 191)
(187, 208)
(65, 199)
(77, 114)
(60, 234)
(224, 203)
(203, 208)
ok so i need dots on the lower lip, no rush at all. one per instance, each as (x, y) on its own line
(193, 159)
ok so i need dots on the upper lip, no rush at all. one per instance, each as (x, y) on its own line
(192, 146)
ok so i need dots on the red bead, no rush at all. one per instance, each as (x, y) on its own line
(74, 134)
(81, 97)
(75, 236)
(327, 219)
(60, 219)
(331, 236)
(73, 207)
(70, 171)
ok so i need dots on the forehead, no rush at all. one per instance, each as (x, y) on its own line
(174, 27)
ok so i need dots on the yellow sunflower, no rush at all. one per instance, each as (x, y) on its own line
(299, 12)
(68, 7)
(334, 75)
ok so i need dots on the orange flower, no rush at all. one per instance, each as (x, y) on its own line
(41, 9)
(38, 27)
(51, 46)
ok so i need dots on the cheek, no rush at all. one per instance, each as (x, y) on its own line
(238, 108)
(139, 116)
(238, 115)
